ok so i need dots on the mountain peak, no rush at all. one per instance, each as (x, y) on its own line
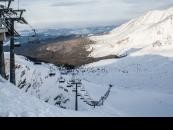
(152, 27)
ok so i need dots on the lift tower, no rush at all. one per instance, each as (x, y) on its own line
(3, 30)
(11, 20)
(10, 17)
(2, 60)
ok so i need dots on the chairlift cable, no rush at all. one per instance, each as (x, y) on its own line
(18, 4)
(34, 30)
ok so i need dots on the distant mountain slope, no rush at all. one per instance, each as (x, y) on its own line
(150, 33)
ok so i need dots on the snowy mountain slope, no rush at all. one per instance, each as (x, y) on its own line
(141, 87)
(143, 80)
(149, 72)
(43, 82)
(14, 103)
(142, 84)
(146, 33)
(36, 80)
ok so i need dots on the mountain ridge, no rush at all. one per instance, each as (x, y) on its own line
(137, 33)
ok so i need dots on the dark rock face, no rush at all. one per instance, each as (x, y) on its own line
(69, 53)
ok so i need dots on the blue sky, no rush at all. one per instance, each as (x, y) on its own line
(78, 13)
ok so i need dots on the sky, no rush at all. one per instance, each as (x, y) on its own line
(79, 13)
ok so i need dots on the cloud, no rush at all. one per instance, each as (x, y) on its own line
(69, 13)
(74, 2)
(150, 4)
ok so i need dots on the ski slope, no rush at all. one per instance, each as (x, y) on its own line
(141, 86)
(14, 103)
(36, 81)
(142, 81)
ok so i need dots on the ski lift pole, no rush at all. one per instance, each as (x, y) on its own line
(2, 59)
(12, 57)
(2, 64)
(76, 98)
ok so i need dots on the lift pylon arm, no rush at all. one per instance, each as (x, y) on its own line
(20, 11)
(9, 2)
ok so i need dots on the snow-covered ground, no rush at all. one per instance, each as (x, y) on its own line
(14, 103)
(142, 86)
(142, 81)
(43, 82)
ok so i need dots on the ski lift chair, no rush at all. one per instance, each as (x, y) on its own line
(34, 37)
(64, 73)
(73, 90)
(73, 82)
(66, 90)
(89, 104)
(17, 45)
(89, 99)
(52, 74)
(86, 95)
(83, 90)
(37, 63)
(82, 98)
(69, 86)
(62, 80)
